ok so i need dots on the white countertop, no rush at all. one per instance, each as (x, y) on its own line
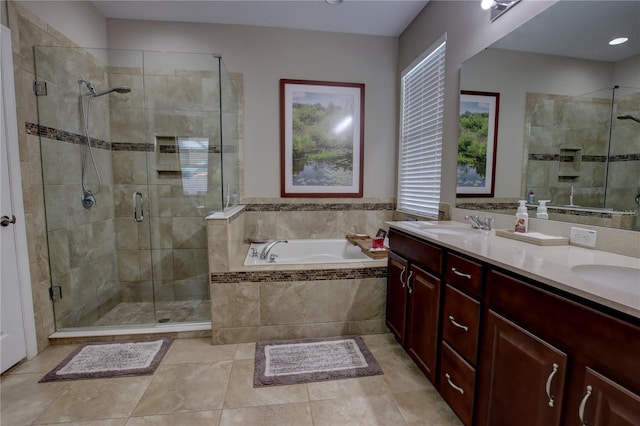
(550, 265)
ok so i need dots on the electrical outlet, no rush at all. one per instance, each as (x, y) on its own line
(583, 237)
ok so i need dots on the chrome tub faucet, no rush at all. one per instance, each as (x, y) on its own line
(268, 247)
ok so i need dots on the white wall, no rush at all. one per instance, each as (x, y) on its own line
(627, 72)
(513, 74)
(264, 56)
(469, 30)
(80, 21)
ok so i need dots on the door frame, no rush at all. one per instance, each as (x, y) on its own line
(15, 183)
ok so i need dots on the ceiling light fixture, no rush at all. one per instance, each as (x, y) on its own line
(333, 1)
(618, 40)
(486, 4)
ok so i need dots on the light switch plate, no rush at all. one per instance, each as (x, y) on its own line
(583, 237)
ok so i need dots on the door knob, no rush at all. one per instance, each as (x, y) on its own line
(6, 221)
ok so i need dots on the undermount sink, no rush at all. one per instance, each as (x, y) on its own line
(448, 230)
(620, 278)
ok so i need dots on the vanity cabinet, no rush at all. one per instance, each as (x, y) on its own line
(547, 360)
(460, 321)
(503, 349)
(413, 298)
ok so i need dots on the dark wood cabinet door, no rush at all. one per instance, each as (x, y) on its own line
(396, 310)
(606, 403)
(424, 309)
(523, 377)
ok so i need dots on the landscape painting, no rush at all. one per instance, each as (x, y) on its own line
(477, 143)
(321, 138)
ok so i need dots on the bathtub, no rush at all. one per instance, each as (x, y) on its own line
(312, 251)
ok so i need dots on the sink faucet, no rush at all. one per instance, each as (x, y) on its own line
(268, 247)
(476, 223)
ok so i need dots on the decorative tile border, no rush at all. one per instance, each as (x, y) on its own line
(61, 135)
(559, 210)
(585, 158)
(298, 275)
(132, 147)
(288, 207)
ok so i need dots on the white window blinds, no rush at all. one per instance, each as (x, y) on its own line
(421, 113)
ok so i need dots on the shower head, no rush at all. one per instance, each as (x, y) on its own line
(92, 89)
(121, 89)
(628, 117)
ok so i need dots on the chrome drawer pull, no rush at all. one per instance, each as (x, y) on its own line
(402, 272)
(461, 274)
(457, 324)
(408, 284)
(453, 385)
(583, 404)
(549, 379)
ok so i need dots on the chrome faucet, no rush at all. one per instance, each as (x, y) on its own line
(476, 223)
(265, 251)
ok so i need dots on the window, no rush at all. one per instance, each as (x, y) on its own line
(421, 111)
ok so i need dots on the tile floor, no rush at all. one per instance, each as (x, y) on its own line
(129, 313)
(202, 384)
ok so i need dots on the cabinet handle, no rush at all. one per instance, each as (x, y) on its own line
(461, 274)
(404, 269)
(549, 380)
(457, 324)
(583, 404)
(453, 385)
(408, 282)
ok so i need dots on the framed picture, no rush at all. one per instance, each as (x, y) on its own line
(321, 138)
(477, 143)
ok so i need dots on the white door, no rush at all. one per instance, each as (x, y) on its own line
(13, 343)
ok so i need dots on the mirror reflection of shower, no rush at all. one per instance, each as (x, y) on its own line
(88, 196)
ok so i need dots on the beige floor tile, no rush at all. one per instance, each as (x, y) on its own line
(103, 422)
(241, 392)
(96, 399)
(347, 388)
(367, 410)
(201, 351)
(425, 407)
(272, 415)
(185, 387)
(377, 342)
(401, 374)
(23, 399)
(45, 361)
(198, 418)
(246, 351)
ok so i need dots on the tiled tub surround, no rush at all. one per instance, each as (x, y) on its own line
(295, 301)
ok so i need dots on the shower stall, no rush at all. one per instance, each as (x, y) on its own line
(584, 151)
(137, 148)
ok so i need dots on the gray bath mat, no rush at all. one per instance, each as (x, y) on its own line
(113, 359)
(288, 362)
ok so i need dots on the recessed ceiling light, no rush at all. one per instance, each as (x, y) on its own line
(333, 1)
(618, 40)
(486, 4)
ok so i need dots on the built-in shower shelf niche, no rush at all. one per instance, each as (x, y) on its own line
(570, 162)
(167, 156)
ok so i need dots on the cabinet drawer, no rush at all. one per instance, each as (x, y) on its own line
(461, 323)
(417, 251)
(464, 274)
(457, 383)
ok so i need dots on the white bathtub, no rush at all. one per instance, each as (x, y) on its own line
(300, 252)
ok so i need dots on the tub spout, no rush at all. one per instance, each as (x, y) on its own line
(268, 247)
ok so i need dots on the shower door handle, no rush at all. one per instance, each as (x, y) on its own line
(138, 206)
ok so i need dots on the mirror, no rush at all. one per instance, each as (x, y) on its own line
(558, 132)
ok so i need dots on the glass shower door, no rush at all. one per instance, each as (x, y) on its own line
(182, 116)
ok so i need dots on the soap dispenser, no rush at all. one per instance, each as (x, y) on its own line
(522, 218)
(542, 210)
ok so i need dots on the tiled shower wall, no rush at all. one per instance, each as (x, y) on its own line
(568, 145)
(28, 31)
(170, 246)
(81, 241)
